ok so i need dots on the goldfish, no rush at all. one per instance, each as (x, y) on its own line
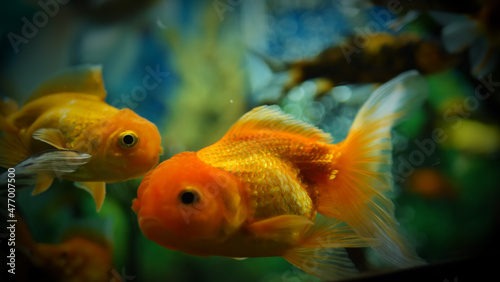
(96, 142)
(277, 186)
(82, 256)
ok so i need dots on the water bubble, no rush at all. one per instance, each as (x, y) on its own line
(342, 93)
(287, 27)
(296, 94)
(309, 88)
(294, 109)
(315, 112)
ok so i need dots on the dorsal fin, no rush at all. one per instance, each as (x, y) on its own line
(272, 118)
(86, 79)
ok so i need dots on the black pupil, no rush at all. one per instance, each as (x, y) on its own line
(188, 198)
(128, 139)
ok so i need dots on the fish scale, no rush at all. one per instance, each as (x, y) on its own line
(279, 169)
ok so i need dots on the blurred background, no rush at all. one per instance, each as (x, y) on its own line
(319, 60)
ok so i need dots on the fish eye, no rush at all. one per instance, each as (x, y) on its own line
(189, 197)
(127, 139)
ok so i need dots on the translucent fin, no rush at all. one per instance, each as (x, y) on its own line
(327, 206)
(282, 228)
(328, 264)
(272, 118)
(333, 233)
(51, 136)
(85, 79)
(321, 251)
(48, 164)
(96, 189)
(12, 150)
(364, 167)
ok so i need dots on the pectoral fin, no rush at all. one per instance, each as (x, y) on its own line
(96, 189)
(39, 170)
(284, 228)
(321, 249)
(43, 183)
(51, 136)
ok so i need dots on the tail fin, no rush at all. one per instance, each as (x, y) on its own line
(364, 168)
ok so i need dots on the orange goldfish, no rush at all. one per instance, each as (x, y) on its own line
(83, 256)
(258, 190)
(68, 113)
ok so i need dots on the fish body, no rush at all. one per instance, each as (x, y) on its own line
(69, 113)
(85, 123)
(258, 191)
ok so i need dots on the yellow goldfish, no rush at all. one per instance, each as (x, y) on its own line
(258, 191)
(68, 113)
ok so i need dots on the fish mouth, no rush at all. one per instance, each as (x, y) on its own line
(152, 227)
(148, 223)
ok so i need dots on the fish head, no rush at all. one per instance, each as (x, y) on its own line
(130, 146)
(185, 204)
